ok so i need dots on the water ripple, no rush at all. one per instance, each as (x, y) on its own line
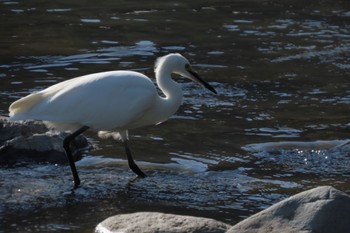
(318, 157)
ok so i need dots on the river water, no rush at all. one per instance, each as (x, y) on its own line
(278, 125)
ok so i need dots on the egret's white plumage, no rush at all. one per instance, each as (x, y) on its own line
(116, 100)
(113, 101)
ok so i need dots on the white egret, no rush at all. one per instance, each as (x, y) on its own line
(109, 102)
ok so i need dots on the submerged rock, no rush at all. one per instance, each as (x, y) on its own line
(32, 141)
(149, 222)
(323, 210)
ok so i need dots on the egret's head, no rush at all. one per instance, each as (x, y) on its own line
(176, 63)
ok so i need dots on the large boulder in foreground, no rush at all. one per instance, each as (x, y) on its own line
(30, 141)
(322, 210)
(151, 222)
(319, 210)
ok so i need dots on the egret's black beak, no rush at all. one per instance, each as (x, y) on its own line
(195, 77)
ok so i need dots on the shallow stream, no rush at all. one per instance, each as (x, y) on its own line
(278, 125)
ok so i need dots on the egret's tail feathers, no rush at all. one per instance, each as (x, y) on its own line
(19, 108)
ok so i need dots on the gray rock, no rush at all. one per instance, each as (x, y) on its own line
(32, 141)
(322, 210)
(151, 222)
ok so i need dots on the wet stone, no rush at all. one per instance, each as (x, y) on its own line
(323, 209)
(32, 141)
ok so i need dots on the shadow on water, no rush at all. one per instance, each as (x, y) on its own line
(279, 124)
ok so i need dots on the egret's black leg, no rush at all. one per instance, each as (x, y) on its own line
(131, 161)
(66, 143)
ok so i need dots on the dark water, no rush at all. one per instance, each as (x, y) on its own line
(278, 126)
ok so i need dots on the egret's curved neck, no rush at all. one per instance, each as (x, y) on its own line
(170, 88)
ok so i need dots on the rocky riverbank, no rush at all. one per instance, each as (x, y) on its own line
(322, 210)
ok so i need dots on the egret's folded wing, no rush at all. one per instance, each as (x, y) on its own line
(102, 101)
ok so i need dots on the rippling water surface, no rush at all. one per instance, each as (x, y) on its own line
(279, 124)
